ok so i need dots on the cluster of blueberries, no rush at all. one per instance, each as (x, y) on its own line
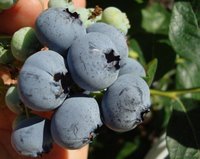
(80, 62)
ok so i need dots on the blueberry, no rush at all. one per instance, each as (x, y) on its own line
(13, 101)
(125, 102)
(24, 43)
(130, 65)
(93, 61)
(115, 17)
(115, 35)
(6, 4)
(57, 28)
(75, 122)
(32, 137)
(42, 80)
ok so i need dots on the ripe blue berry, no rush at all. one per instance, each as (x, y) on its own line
(74, 123)
(42, 82)
(130, 65)
(125, 103)
(32, 137)
(57, 28)
(115, 35)
(93, 61)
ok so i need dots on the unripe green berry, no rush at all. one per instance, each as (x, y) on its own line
(24, 43)
(13, 101)
(5, 4)
(61, 4)
(115, 17)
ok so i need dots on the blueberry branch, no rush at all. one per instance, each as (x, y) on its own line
(174, 94)
(27, 112)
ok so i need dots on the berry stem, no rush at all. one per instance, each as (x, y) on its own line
(97, 95)
(27, 112)
(5, 37)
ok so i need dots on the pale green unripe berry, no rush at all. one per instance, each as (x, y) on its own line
(61, 4)
(115, 17)
(24, 43)
(5, 4)
(13, 101)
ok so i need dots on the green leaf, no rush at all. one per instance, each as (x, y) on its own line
(196, 6)
(5, 41)
(6, 56)
(184, 32)
(136, 48)
(151, 71)
(155, 19)
(184, 35)
(5, 50)
(183, 132)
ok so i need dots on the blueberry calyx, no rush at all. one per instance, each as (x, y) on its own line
(64, 82)
(144, 113)
(112, 58)
(74, 15)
